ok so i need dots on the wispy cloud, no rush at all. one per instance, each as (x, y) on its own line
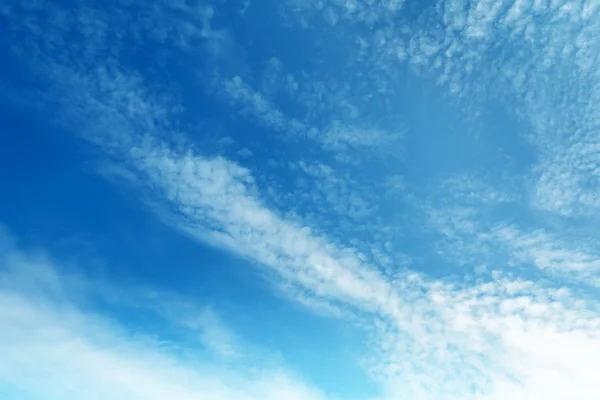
(340, 135)
(56, 344)
(333, 11)
(215, 335)
(535, 57)
(438, 344)
(496, 336)
(254, 105)
(548, 253)
(212, 199)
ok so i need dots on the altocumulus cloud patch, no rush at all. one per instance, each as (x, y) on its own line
(307, 200)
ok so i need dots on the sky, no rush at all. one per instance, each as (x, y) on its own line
(299, 199)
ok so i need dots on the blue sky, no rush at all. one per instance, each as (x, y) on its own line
(303, 200)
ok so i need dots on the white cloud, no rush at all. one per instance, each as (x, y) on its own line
(481, 342)
(430, 340)
(436, 341)
(341, 135)
(215, 335)
(549, 253)
(56, 345)
(369, 12)
(470, 239)
(473, 190)
(338, 190)
(545, 46)
(536, 58)
(212, 199)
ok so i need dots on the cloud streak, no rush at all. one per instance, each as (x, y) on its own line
(427, 331)
(56, 344)
(484, 338)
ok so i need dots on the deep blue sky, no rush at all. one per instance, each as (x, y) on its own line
(304, 200)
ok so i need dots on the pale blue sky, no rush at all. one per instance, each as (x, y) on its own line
(299, 199)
